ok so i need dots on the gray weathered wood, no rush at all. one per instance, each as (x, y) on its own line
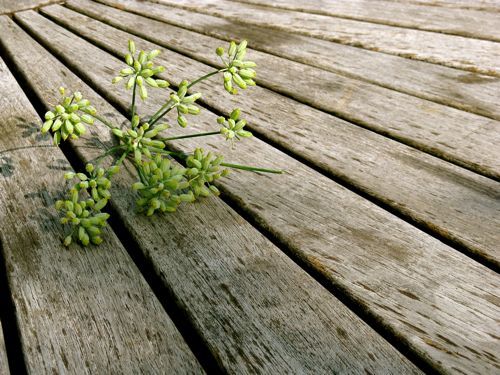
(254, 308)
(4, 365)
(434, 299)
(9, 6)
(464, 22)
(454, 51)
(469, 91)
(78, 310)
(487, 5)
(337, 147)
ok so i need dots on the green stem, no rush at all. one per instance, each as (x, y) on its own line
(107, 153)
(132, 109)
(249, 168)
(122, 158)
(188, 136)
(165, 108)
(104, 121)
(205, 77)
(158, 115)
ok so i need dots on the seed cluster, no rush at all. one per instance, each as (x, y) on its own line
(238, 71)
(232, 127)
(66, 120)
(141, 71)
(164, 183)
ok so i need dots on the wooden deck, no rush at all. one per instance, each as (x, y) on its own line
(377, 252)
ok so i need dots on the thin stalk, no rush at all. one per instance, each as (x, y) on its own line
(104, 121)
(132, 109)
(155, 117)
(107, 153)
(205, 77)
(249, 168)
(188, 136)
(162, 112)
(122, 158)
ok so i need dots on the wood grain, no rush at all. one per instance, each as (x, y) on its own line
(487, 5)
(254, 308)
(463, 22)
(454, 51)
(337, 147)
(10, 6)
(78, 310)
(438, 302)
(469, 91)
(4, 364)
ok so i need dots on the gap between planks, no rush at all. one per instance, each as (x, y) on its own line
(75, 309)
(300, 243)
(438, 215)
(440, 84)
(482, 56)
(435, 129)
(467, 23)
(242, 335)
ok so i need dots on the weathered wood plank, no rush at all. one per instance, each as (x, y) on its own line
(487, 5)
(337, 147)
(454, 51)
(469, 91)
(78, 310)
(254, 308)
(10, 6)
(469, 23)
(4, 364)
(438, 302)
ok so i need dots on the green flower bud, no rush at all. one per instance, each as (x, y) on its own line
(232, 49)
(143, 93)
(60, 109)
(151, 82)
(129, 59)
(181, 120)
(49, 115)
(158, 69)
(46, 126)
(113, 170)
(248, 64)
(87, 119)
(219, 51)
(127, 71)
(192, 98)
(131, 82)
(137, 66)
(154, 53)
(247, 73)
(142, 57)
(67, 241)
(239, 81)
(96, 240)
(161, 83)
(59, 204)
(100, 204)
(80, 128)
(57, 139)
(131, 46)
(138, 186)
(235, 114)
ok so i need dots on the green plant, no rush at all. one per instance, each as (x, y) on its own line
(163, 183)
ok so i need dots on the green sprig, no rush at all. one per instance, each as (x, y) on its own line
(163, 184)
